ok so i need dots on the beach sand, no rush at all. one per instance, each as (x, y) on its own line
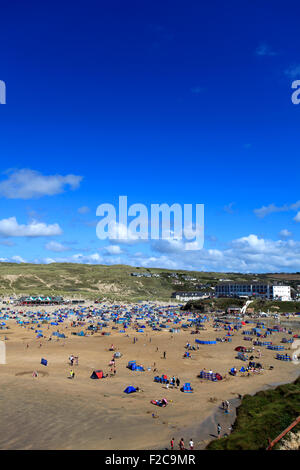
(55, 412)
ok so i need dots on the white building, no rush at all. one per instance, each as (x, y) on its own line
(186, 296)
(282, 293)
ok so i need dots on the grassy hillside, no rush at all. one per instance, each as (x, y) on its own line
(262, 416)
(109, 282)
(93, 281)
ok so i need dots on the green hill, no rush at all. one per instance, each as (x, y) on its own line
(112, 282)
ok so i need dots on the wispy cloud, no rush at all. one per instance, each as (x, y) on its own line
(293, 71)
(228, 208)
(7, 243)
(31, 184)
(271, 208)
(265, 50)
(284, 233)
(83, 210)
(56, 246)
(113, 250)
(297, 217)
(11, 228)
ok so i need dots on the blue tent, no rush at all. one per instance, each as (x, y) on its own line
(132, 365)
(130, 389)
(187, 388)
(44, 362)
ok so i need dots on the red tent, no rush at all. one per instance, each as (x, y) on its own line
(97, 374)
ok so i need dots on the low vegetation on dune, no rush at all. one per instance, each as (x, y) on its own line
(116, 283)
(262, 417)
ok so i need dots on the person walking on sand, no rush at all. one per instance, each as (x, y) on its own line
(172, 443)
(219, 430)
(191, 444)
(165, 354)
(177, 382)
(181, 444)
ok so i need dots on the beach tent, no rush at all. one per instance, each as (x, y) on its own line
(132, 365)
(130, 389)
(97, 374)
(187, 388)
(240, 348)
(44, 362)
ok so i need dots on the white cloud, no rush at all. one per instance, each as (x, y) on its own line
(297, 217)
(120, 233)
(94, 258)
(265, 50)
(245, 254)
(56, 246)
(18, 259)
(266, 210)
(293, 71)
(11, 228)
(7, 243)
(284, 233)
(113, 250)
(29, 184)
(83, 210)
(248, 254)
(13, 259)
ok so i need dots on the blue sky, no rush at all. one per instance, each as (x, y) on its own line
(165, 102)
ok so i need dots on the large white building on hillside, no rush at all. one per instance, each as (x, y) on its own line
(258, 289)
(282, 293)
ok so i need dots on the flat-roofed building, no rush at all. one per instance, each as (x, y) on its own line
(244, 289)
(282, 293)
(192, 295)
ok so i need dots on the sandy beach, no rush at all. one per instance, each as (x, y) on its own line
(52, 411)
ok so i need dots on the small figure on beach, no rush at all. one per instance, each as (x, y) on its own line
(219, 430)
(172, 443)
(191, 444)
(181, 444)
